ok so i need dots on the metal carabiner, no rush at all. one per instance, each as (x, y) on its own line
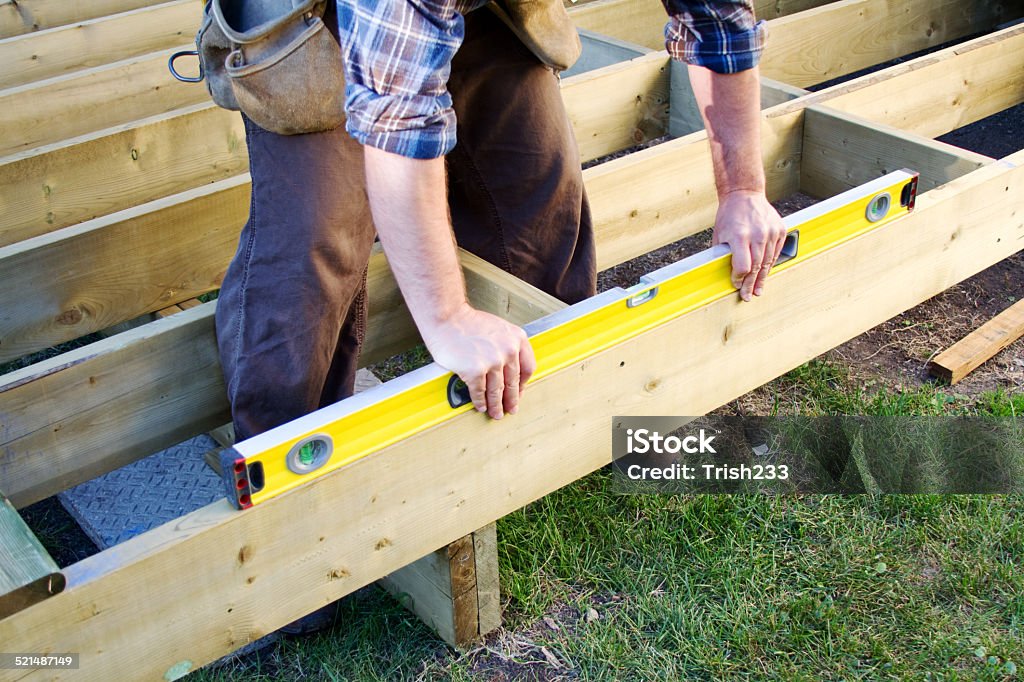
(186, 79)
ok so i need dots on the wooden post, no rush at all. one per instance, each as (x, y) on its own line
(455, 589)
(27, 573)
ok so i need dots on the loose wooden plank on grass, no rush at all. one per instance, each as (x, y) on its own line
(420, 493)
(967, 354)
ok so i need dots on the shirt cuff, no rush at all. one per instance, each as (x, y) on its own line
(714, 48)
(398, 124)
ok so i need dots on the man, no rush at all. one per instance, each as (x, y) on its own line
(419, 75)
(454, 128)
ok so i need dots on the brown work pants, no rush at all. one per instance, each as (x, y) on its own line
(292, 309)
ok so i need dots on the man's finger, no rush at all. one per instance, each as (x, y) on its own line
(756, 257)
(510, 395)
(495, 390)
(477, 385)
(772, 254)
(740, 263)
(768, 260)
(527, 364)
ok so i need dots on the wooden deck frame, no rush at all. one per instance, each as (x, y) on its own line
(975, 200)
(416, 495)
(637, 205)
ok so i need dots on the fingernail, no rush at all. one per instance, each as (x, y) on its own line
(757, 291)
(481, 409)
(499, 415)
(514, 410)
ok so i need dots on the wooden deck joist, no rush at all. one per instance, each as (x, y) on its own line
(26, 16)
(940, 92)
(85, 101)
(45, 54)
(88, 411)
(27, 573)
(421, 493)
(842, 37)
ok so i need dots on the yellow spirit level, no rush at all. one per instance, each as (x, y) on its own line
(285, 457)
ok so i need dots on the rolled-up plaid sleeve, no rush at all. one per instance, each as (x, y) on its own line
(722, 36)
(397, 61)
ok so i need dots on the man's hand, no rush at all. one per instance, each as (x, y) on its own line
(755, 233)
(730, 106)
(408, 198)
(492, 356)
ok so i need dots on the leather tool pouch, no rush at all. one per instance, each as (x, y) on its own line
(274, 60)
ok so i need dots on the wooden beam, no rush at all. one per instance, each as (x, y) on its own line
(93, 409)
(841, 37)
(443, 587)
(93, 99)
(27, 573)
(639, 23)
(25, 16)
(102, 173)
(92, 276)
(618, 106)
(54, 52)
(419, 493)
(963, 357)
(940, 92)
(841, 151)
(454, 590)
(659, 195)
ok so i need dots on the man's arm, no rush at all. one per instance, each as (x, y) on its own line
(721, 41)
(397, 59)
(408, 200)
(730, 106)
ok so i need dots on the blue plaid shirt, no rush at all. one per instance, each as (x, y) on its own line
(398, 56)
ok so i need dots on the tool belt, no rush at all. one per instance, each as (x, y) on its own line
(275, 60)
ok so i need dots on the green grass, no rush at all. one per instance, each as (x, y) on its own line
(739, 587)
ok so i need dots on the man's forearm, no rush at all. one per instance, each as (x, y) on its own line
(409, 201)
(730, 106)
(410, 210)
